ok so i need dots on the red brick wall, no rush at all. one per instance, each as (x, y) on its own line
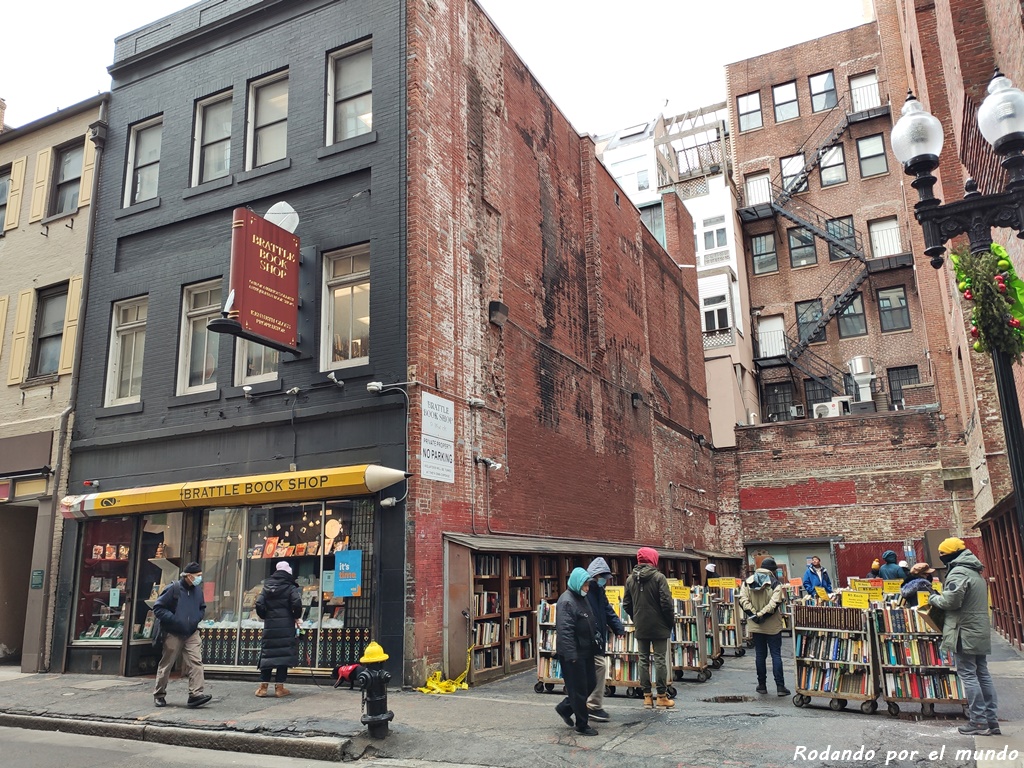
(506, 200)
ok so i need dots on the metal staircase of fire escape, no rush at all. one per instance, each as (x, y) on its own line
(842, 289)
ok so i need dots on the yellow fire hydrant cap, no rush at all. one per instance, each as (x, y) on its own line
(373, 653)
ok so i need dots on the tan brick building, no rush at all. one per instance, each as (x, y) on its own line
(47, 172)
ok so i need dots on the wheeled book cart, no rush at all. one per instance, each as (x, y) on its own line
(833, 651)
(687, 645)
(727, 612)
(914, 670)
(549, 673)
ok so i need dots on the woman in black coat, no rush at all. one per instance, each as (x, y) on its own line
(280, 607)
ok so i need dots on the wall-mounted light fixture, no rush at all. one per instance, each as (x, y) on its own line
(488, 463)
(476, 402)
(247, 391)
(334, 380)
(497, 313)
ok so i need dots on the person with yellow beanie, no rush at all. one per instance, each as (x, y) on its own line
(966, 633)
(875, 572)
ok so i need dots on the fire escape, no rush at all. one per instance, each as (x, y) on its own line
(778, 198)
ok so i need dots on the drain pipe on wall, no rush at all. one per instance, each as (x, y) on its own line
(98, 136)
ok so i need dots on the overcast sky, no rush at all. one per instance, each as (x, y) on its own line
(606, 64)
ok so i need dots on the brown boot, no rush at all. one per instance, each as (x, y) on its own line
(262, 690)
(664, 701)
(280, 690)
(648, 701)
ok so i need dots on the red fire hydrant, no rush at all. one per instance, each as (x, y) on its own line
(373, 680)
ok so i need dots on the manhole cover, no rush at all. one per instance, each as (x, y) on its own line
(729, 699)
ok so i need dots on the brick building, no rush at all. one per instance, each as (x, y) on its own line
(47, 183)
(863, 405)
(950, 51)
(529, 352)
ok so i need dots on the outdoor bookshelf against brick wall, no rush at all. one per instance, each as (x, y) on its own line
(913, 669)
(833, 650)
(687, 644)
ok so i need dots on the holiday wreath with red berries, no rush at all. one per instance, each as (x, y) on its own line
(989, 282)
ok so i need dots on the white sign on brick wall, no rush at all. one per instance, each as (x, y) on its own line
(437, 444)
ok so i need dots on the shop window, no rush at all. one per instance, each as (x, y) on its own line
(240, 548)
(160, 566)
(102, 580)
(347, 299)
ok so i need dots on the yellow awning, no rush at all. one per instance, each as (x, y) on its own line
(250, 490)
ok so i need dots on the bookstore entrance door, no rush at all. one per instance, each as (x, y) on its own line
(17, 526)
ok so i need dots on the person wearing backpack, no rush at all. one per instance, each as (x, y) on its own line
(280, 607)
(179, 610)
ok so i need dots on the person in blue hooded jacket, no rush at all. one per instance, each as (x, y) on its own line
(890, 568)
(604, 617)
(180, 608)
(576, 645)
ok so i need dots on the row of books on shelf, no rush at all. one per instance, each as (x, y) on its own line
(518, 566)
(487, 565)
(685, 656)
(728, 637)
(622, 643)
(912, 685)
(519, 625)
(103, 632)
(916, 652)
(684, 607)
(832, 679)
(521, 650)
(726, 615)
(548, 589)
(624, 669)
(901, 620)
(106, 583)
(548, 640)
(486, 658)
(828, 617)
(486, 633)
(519, 597)
(275, 546)
(548, 666)
(546, 613)
(109, 551)
(831, 647)
(685, 632)
(485, 603)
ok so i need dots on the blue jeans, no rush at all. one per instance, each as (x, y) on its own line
(762, 645)
(981, 693)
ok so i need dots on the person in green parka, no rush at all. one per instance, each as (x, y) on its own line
(967, 634)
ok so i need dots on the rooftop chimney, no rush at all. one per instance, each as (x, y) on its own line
(3, 108)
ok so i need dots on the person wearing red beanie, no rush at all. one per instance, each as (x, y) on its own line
(649, 601)
(647, 555)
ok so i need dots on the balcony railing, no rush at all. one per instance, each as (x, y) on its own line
(715, 257)
(718, 339)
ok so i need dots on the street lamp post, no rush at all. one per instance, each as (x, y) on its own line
(917, 141)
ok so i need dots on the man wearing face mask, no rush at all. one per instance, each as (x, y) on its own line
(180, 608)
(577, 644)
(604, 616)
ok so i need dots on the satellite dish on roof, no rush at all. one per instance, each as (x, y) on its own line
(283, 215)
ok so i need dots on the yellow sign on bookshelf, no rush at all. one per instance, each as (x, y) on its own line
(855, 599)
(892, 586)
(679, 592)
(615, 595)
(821, 593)
(724, 582)
(876, 594)
(922, 597)
(861, 585)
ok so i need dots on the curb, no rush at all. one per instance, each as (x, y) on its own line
(312, 748)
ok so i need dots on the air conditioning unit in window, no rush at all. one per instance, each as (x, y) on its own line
(826, 410)
(797, 411)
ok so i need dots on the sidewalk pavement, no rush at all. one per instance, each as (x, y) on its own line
(505, 723)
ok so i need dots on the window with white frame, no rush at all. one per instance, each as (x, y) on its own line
(197, 365)
(255, 362)
(49, 330)
(127, 350)
(714, 233)
(823, 91)
(716, 313)
(67, 179)
(786, 106)
(871, 151)
(833, 166)
(143, 172)
(793, 179)
(885, 237)
(748, 106)
(267, 138)
(347, 307)
(350, 93)
(212, 141)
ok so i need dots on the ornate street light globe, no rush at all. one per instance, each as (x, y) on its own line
(1001, 115)
(917, 136)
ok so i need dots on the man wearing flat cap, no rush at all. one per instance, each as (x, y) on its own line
(179, 609)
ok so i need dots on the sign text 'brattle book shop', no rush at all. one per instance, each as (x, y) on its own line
(437, 443)
(265, 278)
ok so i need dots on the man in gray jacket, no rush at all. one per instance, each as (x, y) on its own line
(967, 634)
(761, 597)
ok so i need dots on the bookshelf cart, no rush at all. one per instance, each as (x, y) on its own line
(912, 667)
(728, 613)
(687, 645)
(548, 672)
(832, 648)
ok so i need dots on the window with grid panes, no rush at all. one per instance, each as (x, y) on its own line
(893, 312)
(212, 158)
(808, 313)
(716, 313)
(199, 347)
(143, 172)
(765, 258)
(347, 318)
(777, 399)
(784, 98)
(350, 93)
(801, 247)
(49, 331)
(127, 351)
(268, 120)
(833, 166)
(841, 229)
(67, 179)
(815, 392)
(899, 378)
(748, 106)
(851, 320)
(823, 91)
(255, 362)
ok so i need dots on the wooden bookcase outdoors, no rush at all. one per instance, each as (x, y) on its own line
(519, 608)
(833, 651)
(485, 633)
(725, 595)
(687, 645)
(913, 668)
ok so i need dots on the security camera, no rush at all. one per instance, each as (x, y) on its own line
(247, 390)
(293, 391)
(476, 402)
(701, 490)
(374, 386)
(389, 502)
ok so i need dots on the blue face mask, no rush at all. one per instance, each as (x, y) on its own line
(197, 580)
(602, 581)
